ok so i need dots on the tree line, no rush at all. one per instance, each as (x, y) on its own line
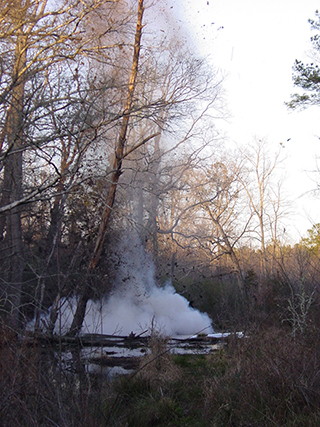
(109, 124)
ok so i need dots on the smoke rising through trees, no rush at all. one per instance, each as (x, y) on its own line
(136, 303)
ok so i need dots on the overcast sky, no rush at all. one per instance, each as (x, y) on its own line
(255, 42)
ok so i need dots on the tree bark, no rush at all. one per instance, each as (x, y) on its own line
(229, 249)
(12, 190)
(117, 166)
(152, 225)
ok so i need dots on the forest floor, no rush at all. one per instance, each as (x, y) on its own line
(270, 378)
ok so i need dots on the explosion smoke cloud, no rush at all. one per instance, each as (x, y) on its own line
(137, 302)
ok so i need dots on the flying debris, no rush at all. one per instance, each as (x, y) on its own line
(282, 144)
(137, 302)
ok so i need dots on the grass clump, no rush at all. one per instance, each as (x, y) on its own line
(269, 378)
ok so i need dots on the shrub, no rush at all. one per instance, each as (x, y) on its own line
(271, 379)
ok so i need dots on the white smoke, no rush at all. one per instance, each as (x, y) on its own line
(137, 302)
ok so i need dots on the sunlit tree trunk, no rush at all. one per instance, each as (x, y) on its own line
(117, 166)
(12, 186)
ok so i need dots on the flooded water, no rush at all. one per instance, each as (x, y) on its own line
(111, 355)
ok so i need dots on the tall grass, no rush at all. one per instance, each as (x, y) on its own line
(269, 378)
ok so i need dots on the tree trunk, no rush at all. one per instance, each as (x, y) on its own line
(234, 260)
(152, 225)
(263, 248)
(228, 247)
(12, 190)
(117, 166)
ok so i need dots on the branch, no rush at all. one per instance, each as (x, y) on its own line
(29, 198)
(140, 144)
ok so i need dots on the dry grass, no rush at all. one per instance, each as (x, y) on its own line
(271, 378)
(34, 391)
(158, 367)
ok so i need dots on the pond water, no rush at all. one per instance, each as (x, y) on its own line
(111, 355)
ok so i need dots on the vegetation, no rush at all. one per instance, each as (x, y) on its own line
(106, 129)
(271, 377)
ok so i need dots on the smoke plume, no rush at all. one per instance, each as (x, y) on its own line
(136, 302)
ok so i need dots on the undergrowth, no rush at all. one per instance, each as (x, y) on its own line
(269, 378)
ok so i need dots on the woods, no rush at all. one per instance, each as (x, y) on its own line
(76, 115)
(108, 128)
(110, 148)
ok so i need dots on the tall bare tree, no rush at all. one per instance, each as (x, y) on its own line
(117, 169)
(262, 169)
(12, 183)
(39, 43)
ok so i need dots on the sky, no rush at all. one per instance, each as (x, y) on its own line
(255, 43)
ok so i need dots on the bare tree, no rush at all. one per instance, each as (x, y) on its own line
(207, 219)
(40, 45)
(263, 201)
(117, 166)
(221, 200)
